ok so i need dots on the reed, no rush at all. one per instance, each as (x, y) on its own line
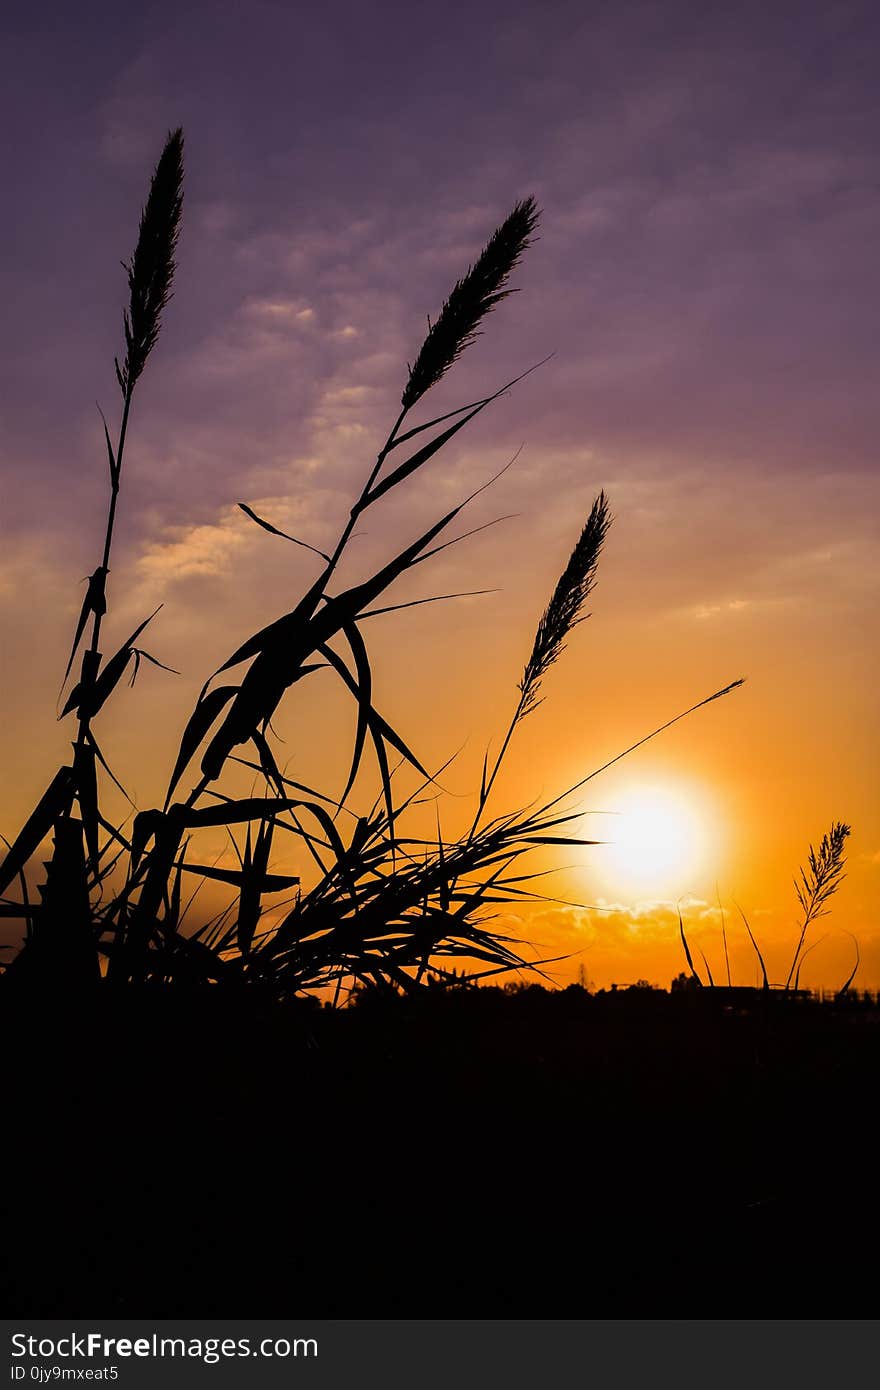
(817, 882)
(72, 876)
(470, 300)
(379, 905)
(563, 613)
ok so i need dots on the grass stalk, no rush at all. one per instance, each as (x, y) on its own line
(819, 881)
(563, 613)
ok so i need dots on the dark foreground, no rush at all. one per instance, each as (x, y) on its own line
(460, 1155)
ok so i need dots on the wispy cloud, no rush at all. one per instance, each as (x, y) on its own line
(189, 550)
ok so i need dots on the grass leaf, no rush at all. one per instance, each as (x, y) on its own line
(274, 531)
(203, 716)
(53, 804)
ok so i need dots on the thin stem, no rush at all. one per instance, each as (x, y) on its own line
(111, 515)
(719, 694)
(723, 934)
(485, 791)
(361, 501)
(85, 718)
(797, 955)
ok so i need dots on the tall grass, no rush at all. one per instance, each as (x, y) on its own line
(816, 883)
(380, 905)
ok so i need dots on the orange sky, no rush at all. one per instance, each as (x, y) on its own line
(760, 773)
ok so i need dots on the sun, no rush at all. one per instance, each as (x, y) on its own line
(657, 840)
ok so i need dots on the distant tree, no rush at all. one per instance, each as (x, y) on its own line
(683, 981)
(583, 978)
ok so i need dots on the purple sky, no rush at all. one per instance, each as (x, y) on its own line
(705, 276)
(708, 174)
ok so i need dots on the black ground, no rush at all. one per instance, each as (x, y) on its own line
(457, 1155)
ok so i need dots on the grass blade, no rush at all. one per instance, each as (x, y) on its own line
(687, 950)
(53, 804)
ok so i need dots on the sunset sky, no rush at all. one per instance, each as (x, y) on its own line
(706, 281)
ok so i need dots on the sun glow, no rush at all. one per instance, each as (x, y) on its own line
(658, 840)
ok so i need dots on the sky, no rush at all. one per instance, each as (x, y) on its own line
(705, 282)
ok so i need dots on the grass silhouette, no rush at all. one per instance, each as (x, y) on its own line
(382, 907)
(816, 885)
(205, 1152)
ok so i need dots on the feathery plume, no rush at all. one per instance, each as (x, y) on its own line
(564, 611)
(819, 880)
(151, 268)
(470, 300)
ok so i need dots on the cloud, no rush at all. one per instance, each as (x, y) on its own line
(184, 551)
(30, 573)
(215, 548)
(713, 610)
(275, 311)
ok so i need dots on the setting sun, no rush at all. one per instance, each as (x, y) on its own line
(657, 840)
